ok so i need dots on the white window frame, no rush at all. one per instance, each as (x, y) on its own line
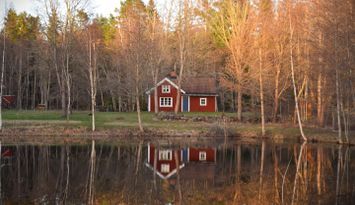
(165, 168)
(201, 99)
(165, 88)
(163, 102)
(165, 155)
(202, 156)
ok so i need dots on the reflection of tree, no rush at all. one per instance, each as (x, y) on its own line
(299, 161)
(91, 192)
(44, 175)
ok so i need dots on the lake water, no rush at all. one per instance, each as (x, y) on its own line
(230, 172)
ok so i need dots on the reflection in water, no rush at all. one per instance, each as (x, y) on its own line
(153, 173)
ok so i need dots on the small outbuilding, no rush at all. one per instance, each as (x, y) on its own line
(198, 94)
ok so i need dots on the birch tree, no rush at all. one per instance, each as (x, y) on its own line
(291, 32)
(2, 73)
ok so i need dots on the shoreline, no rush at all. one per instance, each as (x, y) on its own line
(35, 134)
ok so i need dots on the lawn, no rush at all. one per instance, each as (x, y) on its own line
(104, 120)
(54, 121)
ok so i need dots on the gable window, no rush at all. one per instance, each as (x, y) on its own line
(165, 155)
(165, 88)
(203, 101)
(165, 168)
(166, 102)
(202, 156)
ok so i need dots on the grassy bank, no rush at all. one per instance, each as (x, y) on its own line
(52, 122)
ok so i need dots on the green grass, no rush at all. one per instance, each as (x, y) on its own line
(128, 120)
(103, 119)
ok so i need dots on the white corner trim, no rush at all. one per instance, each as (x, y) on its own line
(182, 104)
(188, 104)
(149, 103)
(149, 152)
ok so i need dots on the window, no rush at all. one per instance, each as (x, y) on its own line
(203, 101)
(202, 156)
(166, 102)
(165, 155)
(165, 89)
(165, 168)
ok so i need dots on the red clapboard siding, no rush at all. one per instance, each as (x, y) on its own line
(195, 104)
(173, 94)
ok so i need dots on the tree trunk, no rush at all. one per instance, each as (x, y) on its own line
(19, 84)
(156, 108)
(338, 105)
(261, 94)
(92, 76)
(293, 80)
(67, 81)
(182, 62)
(1, 93)
(113, 99)
(33, 104)
(239, 102)
(320, 113)
(276, 93)
(137, 99)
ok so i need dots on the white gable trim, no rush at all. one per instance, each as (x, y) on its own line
(160, 175)
(161, 82)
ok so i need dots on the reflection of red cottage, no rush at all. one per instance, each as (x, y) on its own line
(197, 95)
(165, 161)
(201, 154)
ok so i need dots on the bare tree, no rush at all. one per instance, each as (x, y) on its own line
(2, 71)
(291, 27)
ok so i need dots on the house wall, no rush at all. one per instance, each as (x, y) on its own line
(173, 94)
(194, 154)
(195, 104)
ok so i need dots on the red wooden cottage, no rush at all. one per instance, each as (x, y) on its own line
(165, 159)
(197, 94)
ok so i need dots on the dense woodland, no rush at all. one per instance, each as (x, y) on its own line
(270, 58)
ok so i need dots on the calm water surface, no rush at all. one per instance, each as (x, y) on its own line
(161, 173)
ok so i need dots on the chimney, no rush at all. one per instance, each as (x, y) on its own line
(172, 75)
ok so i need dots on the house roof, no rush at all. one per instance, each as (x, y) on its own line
(198, 85)
(193, 85)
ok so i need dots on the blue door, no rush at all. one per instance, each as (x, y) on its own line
(185, 105)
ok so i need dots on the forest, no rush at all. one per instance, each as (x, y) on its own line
(286, 60)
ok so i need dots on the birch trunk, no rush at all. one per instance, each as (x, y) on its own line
(293, 80)
(239, 102)
(92, 76)
(276, 93)
(261, 94)
(156, 108)
(137, 98)
(19, 86)
(1, 91)
(320, 113)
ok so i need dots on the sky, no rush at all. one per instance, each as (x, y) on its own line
(101, 7)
